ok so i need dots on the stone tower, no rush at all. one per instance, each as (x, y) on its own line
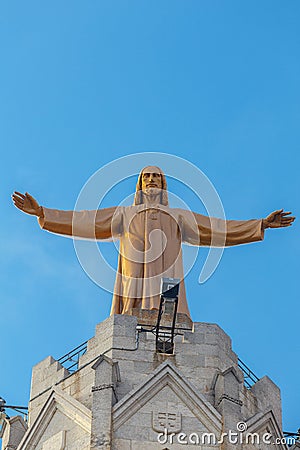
(125, 395)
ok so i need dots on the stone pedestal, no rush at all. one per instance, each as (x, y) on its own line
(126, 396)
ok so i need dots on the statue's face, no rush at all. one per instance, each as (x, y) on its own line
(151, 179)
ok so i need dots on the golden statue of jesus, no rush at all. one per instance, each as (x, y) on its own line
(150, 234)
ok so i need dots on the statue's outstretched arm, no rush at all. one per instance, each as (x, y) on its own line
(97, 224)
(209, 231)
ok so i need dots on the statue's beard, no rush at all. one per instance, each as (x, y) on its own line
(152, 191)
(152, 195)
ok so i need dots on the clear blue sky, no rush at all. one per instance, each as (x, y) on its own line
(215, 82)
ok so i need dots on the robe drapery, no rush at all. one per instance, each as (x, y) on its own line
(150, 245)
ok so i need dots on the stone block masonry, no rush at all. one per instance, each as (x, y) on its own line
(125, 395)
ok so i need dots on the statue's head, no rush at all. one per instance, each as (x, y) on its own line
(151, 181)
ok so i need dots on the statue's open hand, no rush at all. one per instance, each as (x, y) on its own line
(278, 219)
(27, 204)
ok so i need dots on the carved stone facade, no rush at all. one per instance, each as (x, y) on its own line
(126, 396)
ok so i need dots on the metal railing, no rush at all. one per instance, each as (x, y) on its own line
(70, 360)
(249, 377)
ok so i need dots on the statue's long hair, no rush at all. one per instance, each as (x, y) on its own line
(138, 198)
